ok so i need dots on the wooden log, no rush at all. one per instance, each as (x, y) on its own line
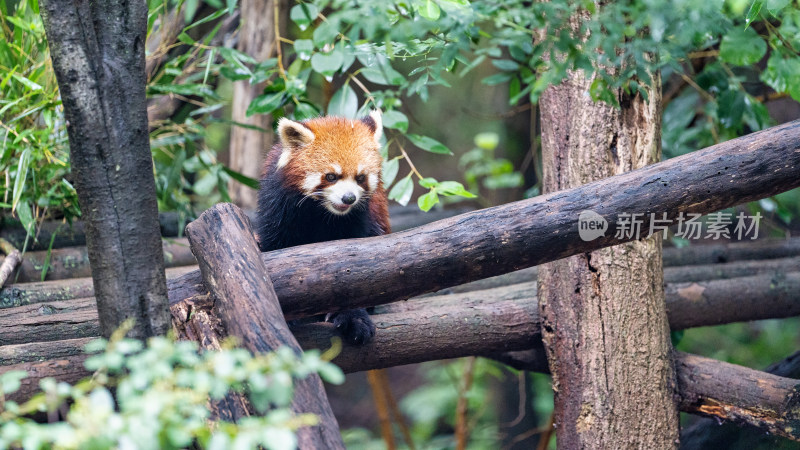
(679, 274)
(47, 291)
(42, 351)
(726, 252)
(710, 433)
(689, 305)
(332, 276)
(73, 262)
(469, 327)
(245, 301)
(62, 234)
(718, 302)
(738, 394)
(716, 389)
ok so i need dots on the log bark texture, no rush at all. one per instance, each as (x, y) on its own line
(73, 262)
(448, 327)
(248, 147)
(98, 57)
(604, 320)
(740, 395)
(47, 291)
(694, 304)
(246, 303)
(710, 433)
(480, 244)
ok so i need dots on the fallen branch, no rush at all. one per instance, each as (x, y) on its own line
(73, 262)
(503, 330)
(10, 262)
(332, 276)
(248, 307)
(732, 251)
(689, 305)
(710, 433)
(48, 291)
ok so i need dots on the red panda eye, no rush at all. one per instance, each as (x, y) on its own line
(361, 178)
(330, 177)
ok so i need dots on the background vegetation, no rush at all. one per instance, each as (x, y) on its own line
(458, 82)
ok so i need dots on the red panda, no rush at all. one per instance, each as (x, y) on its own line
(321, 182)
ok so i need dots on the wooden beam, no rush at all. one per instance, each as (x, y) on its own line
(244, 300)
(332, 276)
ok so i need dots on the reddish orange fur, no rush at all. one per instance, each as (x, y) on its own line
(346, 142)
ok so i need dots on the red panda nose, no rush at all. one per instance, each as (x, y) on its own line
(349, 198)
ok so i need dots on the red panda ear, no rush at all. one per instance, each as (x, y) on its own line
(293, 134)
(375, 124)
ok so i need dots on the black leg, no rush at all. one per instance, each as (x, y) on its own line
(355, 326)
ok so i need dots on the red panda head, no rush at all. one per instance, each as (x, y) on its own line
(332, 159)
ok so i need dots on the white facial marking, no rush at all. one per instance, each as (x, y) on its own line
(334, 194)
(284, 159)
(311, 182)
(372, 181)
(360, 168)
(337, 169)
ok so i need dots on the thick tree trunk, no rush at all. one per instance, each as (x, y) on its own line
(604, 318)
(249, 146)
(246, 303)
(98, 56)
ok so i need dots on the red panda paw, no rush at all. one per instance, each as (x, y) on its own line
(355, 326)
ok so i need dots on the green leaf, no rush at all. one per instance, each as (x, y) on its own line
(21, 176)
(448, 188)
(427, 201)
(303, 14)
(775, 6)
(389, 171)
(25, 214)
(430, 10)
(27, 83)
(428, 182)
(497, 79)
(395, 120)
(344, 103)
(241, 178)
(11, 381)
(265, 104)
(231, 4)
(487, 141)
(506, 65)
(383, 74)
(752, 14)
(305, 111)
(200, 90)
(742, 47)
(429, 144)
(304, 48)
(783, 75)
(401, 192)
(327, 63)
(730, 108)
(324, 34)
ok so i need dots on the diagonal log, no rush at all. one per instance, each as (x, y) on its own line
(248, 308)
(331, 276)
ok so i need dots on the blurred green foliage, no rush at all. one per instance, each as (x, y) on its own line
(161, 394)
